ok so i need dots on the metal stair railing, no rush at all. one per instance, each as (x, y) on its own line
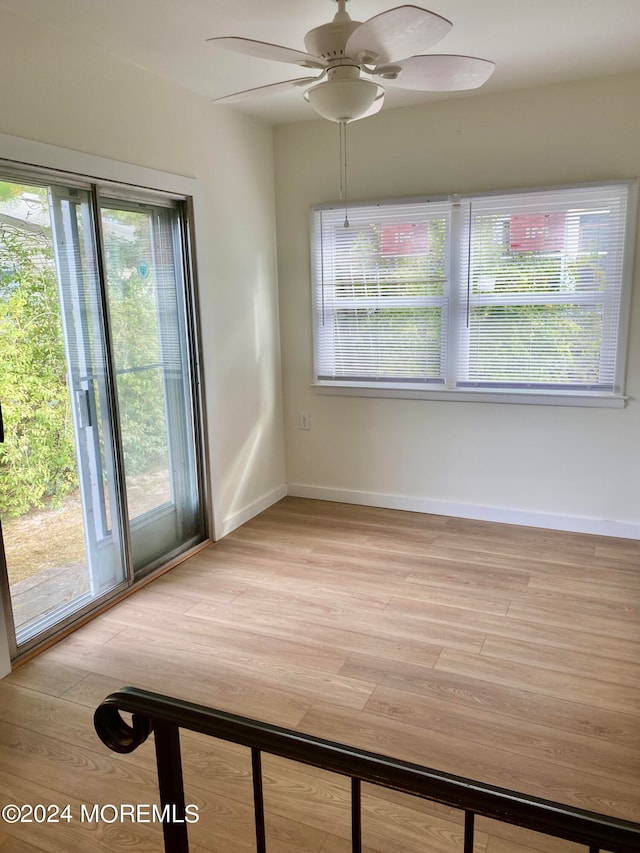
(165, 716)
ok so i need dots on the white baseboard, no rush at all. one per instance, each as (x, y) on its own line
(242, 516)
(550, 521)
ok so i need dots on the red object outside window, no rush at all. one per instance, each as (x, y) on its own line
(403, 239)
(537, 231)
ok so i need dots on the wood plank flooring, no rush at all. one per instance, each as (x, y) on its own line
(507, 654)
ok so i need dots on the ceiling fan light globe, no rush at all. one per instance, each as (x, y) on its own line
(343, 100)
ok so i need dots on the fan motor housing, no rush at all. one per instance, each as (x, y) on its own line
(329, 40)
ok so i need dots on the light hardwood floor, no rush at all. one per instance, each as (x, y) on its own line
(507, 654)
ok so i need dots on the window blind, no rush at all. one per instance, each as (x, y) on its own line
(519, 291)
(541, 282)
(381, 292)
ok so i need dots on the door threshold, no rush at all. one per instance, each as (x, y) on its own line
(61, 631)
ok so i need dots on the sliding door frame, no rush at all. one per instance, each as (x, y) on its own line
(112, 182)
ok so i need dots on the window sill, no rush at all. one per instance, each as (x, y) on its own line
(480, 395)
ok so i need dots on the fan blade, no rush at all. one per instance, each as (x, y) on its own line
(438, 73)
(265, 50)
(266, 90)
(397, 33)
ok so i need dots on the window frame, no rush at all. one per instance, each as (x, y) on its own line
(440, 302)
(451, 388)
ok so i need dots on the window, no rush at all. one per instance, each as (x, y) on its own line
(519, 293)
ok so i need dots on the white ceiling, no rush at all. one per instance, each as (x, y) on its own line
(532, 41)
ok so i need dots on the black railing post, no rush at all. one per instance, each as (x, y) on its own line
(174, 827)
(258, 801)
(356, 817)
(469, 818)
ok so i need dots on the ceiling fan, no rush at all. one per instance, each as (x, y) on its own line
(388, 47)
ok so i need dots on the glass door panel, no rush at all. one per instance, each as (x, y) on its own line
(146, 300)
(87, 364)
(59, 549)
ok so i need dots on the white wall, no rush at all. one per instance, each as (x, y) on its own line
(576, 468)
(56, 90)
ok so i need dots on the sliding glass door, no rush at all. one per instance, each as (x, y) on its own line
(100, 471)
(146, 296)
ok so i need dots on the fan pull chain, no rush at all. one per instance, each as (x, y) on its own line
(469, 264)
(343, 169)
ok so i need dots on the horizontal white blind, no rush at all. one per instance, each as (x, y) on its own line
(541, 286)
(505, 291)
(380, 292)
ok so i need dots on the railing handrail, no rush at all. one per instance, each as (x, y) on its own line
(573, 824)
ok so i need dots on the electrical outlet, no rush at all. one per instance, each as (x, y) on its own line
(304, 422)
